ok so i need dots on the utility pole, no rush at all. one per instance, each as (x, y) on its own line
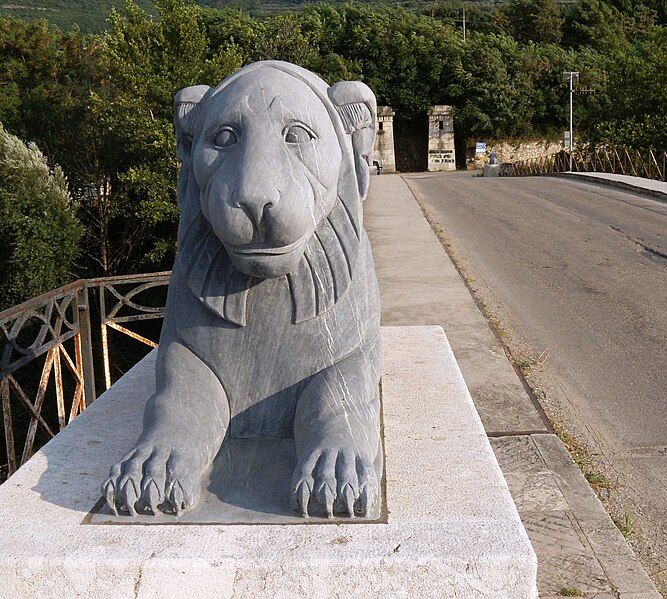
(464, 22)
(573, 78)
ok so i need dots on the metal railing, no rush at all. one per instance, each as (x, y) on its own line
(648, 164)
(118, 304)
(40, 336)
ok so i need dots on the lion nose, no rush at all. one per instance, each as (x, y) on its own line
(256, 207)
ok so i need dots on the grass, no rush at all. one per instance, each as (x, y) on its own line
(570, 592)
(596, 480)
(624, 524)
(582, 457)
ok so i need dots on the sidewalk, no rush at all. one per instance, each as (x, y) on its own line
(655, 189)
(578, 547)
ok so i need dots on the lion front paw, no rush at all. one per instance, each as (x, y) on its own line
(151, 479)
(339, 481)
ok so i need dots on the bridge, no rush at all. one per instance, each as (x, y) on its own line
(571, 277)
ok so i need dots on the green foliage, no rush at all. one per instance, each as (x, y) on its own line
(637, 108)
(146, 63)
(101, 106)
(656, 8)
(538, 21)
(595, 24)
(39, 232)
(47, 78)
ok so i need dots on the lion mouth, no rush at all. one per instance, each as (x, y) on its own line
(266, 249)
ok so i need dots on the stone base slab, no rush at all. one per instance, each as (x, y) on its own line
(451, 527)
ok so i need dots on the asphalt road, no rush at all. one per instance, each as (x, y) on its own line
(576, 274)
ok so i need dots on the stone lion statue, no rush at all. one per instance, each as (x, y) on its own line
(272, 318)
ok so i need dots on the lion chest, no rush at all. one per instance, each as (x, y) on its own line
(264, 364)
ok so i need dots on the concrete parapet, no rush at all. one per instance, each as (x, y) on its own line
(441, 154)
(449, 526)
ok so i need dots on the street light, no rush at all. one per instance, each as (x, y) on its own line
(573, 78)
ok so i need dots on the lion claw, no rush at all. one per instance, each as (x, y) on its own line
(138, 484)
(343, 484)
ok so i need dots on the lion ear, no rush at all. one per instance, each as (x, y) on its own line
(184, 103)
(357, 107)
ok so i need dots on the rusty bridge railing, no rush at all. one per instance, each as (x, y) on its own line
(118, 298)
(47, 354)
(648, 164)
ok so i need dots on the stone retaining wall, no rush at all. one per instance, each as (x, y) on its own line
(513, 151)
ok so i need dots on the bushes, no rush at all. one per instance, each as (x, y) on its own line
(39, 232)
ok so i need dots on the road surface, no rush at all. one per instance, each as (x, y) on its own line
(576, 276)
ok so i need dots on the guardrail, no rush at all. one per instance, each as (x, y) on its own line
(118, 304)
(47, 354)
(648, 164)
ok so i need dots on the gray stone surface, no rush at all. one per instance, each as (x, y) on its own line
(272, 318)
(576, 269)
(491, 170)
(655, 189)
(451, 531)
(419, 285)
(579, 546)
(248, 483)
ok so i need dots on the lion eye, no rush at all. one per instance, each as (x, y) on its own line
(225, 138)
(296, 134)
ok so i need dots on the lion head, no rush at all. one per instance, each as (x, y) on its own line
(274, 169)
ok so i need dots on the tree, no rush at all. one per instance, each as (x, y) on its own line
(39, 232)
(637, 111)
(489, 102)
(48, 79)
(45, 76)
(538, 21)
(595, 24)
(657, 8)
(146, 63)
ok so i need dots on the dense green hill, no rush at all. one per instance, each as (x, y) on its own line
(89, 15)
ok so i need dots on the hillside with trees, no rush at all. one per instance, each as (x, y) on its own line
(91, 16)
(99, 105)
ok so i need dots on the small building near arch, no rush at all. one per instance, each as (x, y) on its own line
(383, 150)
(441, 154)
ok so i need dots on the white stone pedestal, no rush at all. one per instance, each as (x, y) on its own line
(451, 531)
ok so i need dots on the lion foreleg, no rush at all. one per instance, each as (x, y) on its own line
(337, 437)
(184, 425)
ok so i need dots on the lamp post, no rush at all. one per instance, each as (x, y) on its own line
(573, 78)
